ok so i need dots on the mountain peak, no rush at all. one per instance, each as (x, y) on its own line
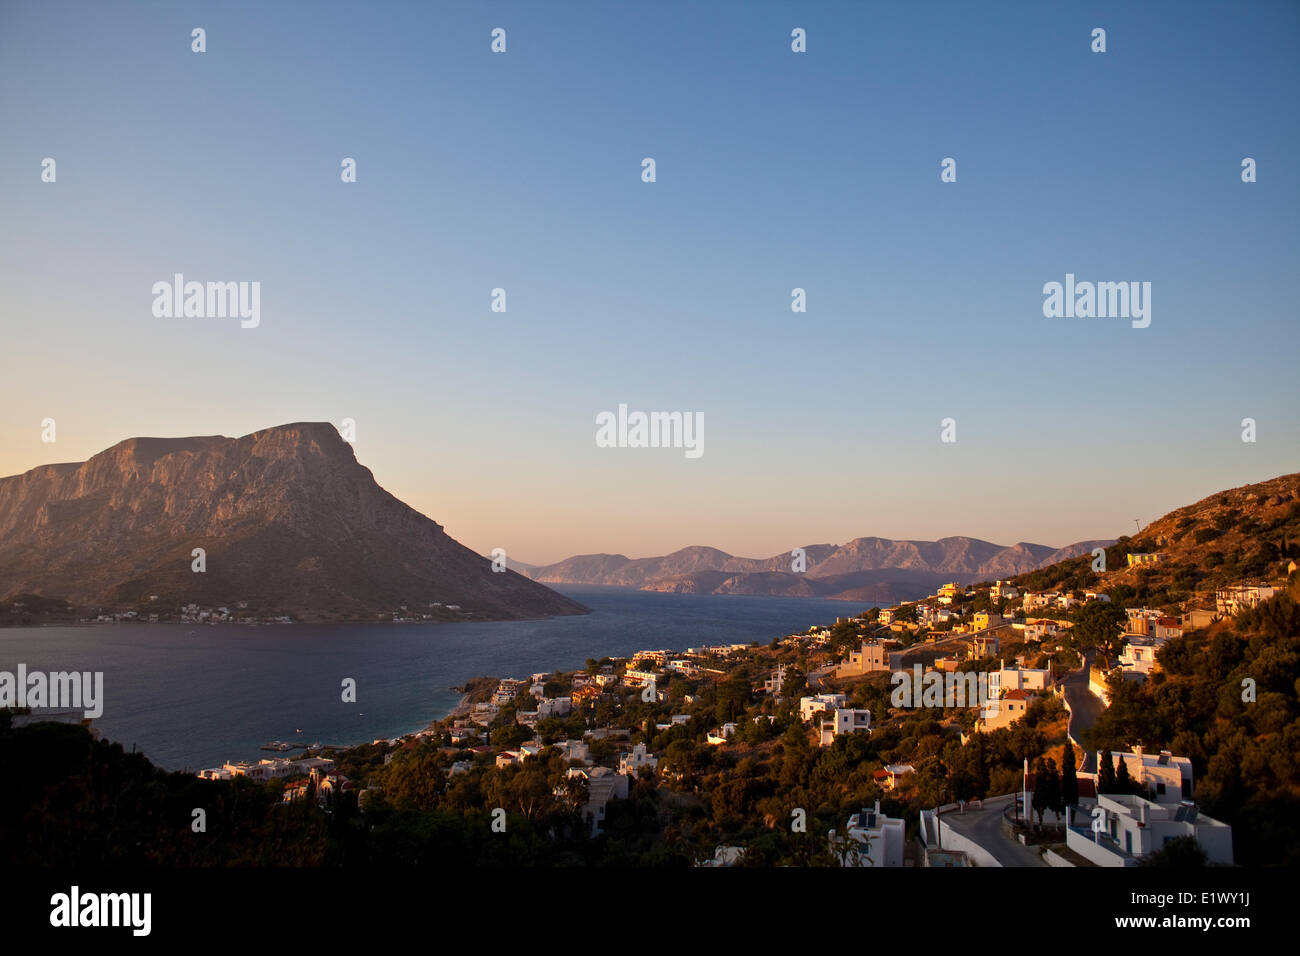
(288, 518)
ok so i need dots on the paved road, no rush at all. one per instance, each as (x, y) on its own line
(985, 828)
(815, 676)
(1085, 708)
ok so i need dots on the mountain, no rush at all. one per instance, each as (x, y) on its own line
(290, 522)
(877, 570)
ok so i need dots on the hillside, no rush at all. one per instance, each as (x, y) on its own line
(290, 521)
(1244, 534)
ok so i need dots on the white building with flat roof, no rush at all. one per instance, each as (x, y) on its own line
(1139, 654)
(1007, 679)
(1169, 778)
(870, 838)
(1129, 827)
(631, 763)
(1230, 601)
(811, 706)
(603, 785)
(554, 707)
(844, 720)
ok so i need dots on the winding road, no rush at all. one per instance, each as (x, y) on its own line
(1085, 708)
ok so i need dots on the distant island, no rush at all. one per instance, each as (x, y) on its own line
(283, 524)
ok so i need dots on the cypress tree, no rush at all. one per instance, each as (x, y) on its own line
(1123, 784)
(1105, 773)
(1069, 781)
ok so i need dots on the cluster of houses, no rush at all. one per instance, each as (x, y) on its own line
(644, 670)
(1102, 829)
(1132, 825)
(187, 614)
(1147, 630)
(318, 776)
(263, 770)
(1117, 830)
(603, 783)
(833, 717)
(404, 615)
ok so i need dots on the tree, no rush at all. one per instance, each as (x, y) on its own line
(415, 779)
(1123, 783)
(511, 735)
(1179, 853)
(795, 681)
(1099, 624)
(1105, 773)
(1069, 780)
(732, 699)
(1047, 788)
(980, 767)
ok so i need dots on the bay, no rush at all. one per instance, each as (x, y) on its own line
(192, 696)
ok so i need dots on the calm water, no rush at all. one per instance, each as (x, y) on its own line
(195, 696)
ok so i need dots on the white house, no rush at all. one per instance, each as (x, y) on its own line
(721, 735)
(845, 721)
(1132, 826)
(1169, 778)
(776, 681)
(574, 750)
(631, 763)
(871, 839)
(810, 706)
(1018, 678)
(1036, 599)
(603, 785)
(1041, 629)
(1139, 654)
(1229, 601)
(554, 707)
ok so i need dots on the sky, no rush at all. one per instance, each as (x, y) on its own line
(774, 170)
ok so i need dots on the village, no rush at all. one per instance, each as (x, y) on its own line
(618, 723)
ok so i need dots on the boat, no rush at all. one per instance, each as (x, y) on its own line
(280, 746)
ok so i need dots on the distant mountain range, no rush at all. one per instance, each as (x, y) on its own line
(289, 520)
(877, 570)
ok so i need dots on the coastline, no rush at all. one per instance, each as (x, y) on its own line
(460, 710)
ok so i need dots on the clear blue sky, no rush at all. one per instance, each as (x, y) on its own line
(775, 170)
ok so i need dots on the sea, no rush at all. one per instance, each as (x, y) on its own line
(195, 696)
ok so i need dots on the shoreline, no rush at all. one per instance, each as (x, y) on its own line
(460, 710)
